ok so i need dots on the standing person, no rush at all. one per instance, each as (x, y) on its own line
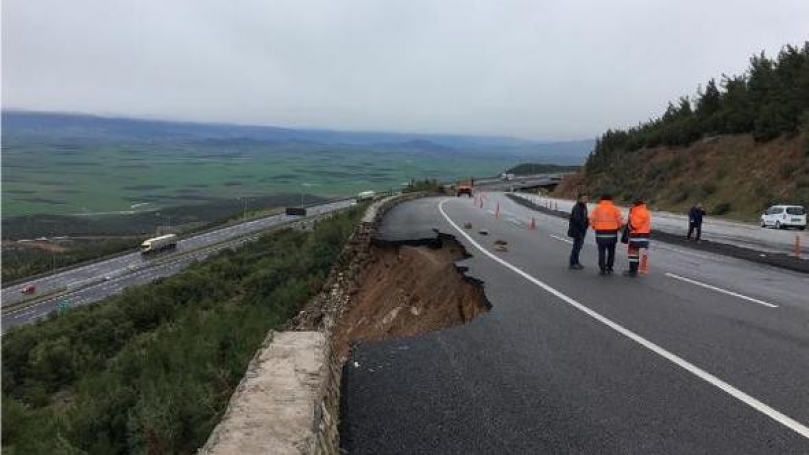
(606, 220)
(640, 226)
(577, 230)
(695, 221)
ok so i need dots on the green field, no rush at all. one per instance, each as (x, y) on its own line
(52, 179)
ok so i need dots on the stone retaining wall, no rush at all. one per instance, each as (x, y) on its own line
(289, 399)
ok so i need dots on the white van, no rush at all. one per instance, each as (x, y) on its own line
(784, 216)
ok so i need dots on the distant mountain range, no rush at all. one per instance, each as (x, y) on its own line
(81, 128)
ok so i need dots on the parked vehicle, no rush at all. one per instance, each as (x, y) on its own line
(28, 289)
(784, 216)
(164, 242)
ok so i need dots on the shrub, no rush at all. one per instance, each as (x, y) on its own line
(151, 370)
(721, 208)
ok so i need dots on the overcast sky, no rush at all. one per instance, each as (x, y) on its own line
(534, 69)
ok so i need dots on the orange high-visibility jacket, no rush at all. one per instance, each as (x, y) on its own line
(606, 217)
(640, 221)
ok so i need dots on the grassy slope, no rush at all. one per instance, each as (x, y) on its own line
(717, 171)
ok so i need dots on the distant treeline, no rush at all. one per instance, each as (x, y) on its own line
(769, 100)
(539, 168)
(151, 370)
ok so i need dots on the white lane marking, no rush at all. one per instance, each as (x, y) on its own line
(658, 245)
(723, 291)
(759, 406)
(24, 313)
(557, 237)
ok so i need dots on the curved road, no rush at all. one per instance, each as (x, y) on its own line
(705, 354)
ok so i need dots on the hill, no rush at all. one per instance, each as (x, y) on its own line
(739, 145)
(69, 126)
(732, 175)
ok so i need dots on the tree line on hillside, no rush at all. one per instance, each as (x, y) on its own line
(769, 100)
(539, 168)
(152, 369)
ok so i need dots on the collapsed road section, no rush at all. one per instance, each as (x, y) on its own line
(409, 288)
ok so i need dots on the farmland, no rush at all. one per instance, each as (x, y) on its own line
(72, 164)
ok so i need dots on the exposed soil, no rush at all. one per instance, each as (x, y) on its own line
(407, 290)
(733, 176)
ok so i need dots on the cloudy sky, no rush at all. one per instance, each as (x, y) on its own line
(536, 69)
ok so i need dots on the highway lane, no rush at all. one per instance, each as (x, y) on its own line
(106, 278)
(746, 235)
(72, 279)
(570, 361)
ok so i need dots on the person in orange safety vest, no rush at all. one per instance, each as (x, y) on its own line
(606, 220)
(640, 226)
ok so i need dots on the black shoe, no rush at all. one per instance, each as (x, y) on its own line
(609, 270)
(602, 272)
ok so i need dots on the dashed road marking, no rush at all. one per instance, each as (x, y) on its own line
(754, 403)
(717, 289)
(558, 237)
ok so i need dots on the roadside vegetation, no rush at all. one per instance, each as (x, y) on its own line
(540, 168)
(744, 134)
(151, 370)
(428, 185)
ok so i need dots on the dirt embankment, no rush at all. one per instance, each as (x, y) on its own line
(406, 290)
(732, 176)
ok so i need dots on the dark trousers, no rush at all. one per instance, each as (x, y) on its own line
(578, 243)
(691, 227)
(606, 252)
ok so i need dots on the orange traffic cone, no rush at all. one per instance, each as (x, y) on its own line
(643, 268)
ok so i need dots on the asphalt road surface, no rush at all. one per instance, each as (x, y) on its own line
(705, 354)
(102, 279)
(746, 235)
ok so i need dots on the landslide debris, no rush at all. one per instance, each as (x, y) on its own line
(407, 290)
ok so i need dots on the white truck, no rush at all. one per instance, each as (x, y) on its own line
(153, 245)
(365, 196)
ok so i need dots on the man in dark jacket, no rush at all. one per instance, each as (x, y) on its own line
(695, 221)
(577, 229)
